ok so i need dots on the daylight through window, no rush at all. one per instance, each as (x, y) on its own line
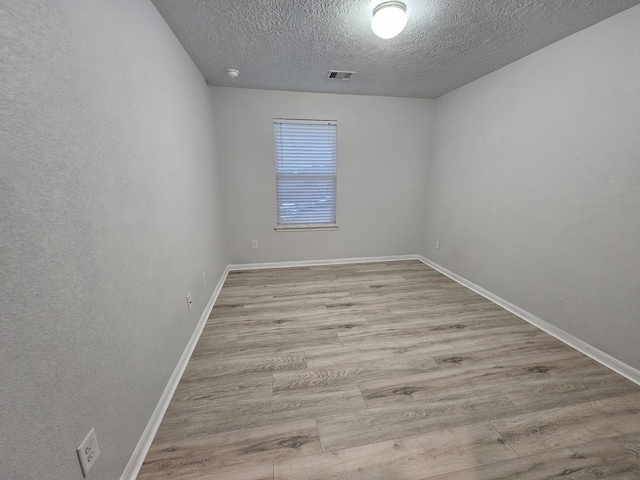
(305, 154)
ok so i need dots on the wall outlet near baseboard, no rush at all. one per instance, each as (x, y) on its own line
(88, 452)
(204, 278)
(437, 244)
(254, 244)
(189, 302)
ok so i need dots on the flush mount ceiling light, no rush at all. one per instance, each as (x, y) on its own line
(389, 19)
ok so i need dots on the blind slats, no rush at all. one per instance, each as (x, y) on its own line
(305, 155)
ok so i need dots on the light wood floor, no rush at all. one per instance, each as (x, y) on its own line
(387, 371)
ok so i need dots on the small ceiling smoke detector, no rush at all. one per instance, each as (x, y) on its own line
(339, 75)
(232, 73)
(389, 19)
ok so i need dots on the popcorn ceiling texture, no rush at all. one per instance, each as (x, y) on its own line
(110, 204)
(291, 44)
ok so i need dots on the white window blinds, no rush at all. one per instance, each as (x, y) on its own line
(305, 153)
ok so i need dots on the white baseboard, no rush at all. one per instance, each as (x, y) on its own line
(598, 355)
(142, 448)
(312, 263)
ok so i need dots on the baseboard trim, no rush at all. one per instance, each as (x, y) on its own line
(574, 342)
(142, 448)
(312, 263)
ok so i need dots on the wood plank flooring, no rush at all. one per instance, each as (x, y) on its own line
(387, 371)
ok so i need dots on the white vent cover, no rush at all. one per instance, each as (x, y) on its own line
(339, 75)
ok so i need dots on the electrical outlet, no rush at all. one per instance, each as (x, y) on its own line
(204, 278)
(254, 244)
(437, 244)
(189, 302)
(88, 452)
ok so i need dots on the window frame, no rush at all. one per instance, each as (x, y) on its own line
(283, 227)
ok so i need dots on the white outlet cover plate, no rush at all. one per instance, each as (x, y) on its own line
(88, 452)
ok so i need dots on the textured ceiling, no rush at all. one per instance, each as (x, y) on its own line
(291, 44)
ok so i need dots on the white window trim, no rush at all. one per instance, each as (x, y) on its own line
(301, 227)
(314, 226)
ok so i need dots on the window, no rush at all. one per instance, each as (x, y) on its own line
(305, 153)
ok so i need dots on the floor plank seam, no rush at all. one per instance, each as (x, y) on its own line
(506, 442)
(408, 372)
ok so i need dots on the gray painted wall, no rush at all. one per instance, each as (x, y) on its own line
(534, 185)
(109, 213)
(111, 205)
(381, 173)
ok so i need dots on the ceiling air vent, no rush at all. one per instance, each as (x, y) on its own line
(338, 75)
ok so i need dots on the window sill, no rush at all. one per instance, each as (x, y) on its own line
(302, 228)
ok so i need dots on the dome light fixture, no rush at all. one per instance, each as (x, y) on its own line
(389, 19)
